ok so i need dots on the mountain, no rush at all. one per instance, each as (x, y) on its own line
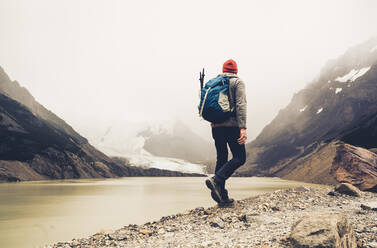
(340, 105)
(177, 141)
(35, 144)
(22, 95)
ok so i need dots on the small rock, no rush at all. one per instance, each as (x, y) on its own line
(217, 222)
(359, 243)
(75, 242)
(370, 206)
(347, 189)
(207, 212)
(243, 218)
(372, 244)
(145, 232)
(365, 207)
(275, 208)
(301, 189)
(161, 231)
(265, 206)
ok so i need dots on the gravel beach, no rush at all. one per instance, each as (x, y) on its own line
(262, 221)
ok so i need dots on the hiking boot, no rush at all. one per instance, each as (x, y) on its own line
(226, 204)
(226, 200)
(215, 197)
(215, 189)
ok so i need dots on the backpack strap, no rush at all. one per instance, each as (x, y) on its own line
(233, 110)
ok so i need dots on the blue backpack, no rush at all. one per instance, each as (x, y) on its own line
(214, 100)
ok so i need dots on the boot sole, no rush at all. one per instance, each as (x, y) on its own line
(215, 195)
(226, 205)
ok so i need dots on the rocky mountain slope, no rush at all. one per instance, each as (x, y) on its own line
(339, 105)
(35, 144)
(15, 91)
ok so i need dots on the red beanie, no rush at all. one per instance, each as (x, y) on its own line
(230, 66)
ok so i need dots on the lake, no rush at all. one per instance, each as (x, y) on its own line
(33, 214)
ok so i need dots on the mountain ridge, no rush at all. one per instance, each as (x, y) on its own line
(339, 105)
(35, 144)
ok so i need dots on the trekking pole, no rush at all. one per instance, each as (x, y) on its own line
(201, 79)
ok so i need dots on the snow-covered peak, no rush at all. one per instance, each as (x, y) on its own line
(353, 75)
(319, 110)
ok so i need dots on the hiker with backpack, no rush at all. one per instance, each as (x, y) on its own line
(223, 103)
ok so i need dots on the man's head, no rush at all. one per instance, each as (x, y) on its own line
(230, 66)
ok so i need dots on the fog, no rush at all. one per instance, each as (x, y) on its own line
(96, 63)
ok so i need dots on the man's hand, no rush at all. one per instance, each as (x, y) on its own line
(243, 136)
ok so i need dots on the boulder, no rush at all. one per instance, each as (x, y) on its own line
(357, 166)
(323, 230)
(347, 189)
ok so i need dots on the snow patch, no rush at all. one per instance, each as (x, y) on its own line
(303, 109)
(353, 75)
(373, 49)
(319, 110)
(347, 77)
(164, 163)
(337, 90)
(361, 73)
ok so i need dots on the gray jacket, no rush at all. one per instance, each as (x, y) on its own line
(237, 100)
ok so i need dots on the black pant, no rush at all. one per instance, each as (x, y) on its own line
(224, 136)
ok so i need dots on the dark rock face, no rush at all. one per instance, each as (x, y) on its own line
(356, 166)
(341, 104)
(33, 149)
(327, 230)
(31, 144)
(333, 163)
(35, 144)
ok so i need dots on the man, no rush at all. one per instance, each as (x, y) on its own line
(232, 132)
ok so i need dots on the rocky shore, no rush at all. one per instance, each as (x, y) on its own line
(277, 219)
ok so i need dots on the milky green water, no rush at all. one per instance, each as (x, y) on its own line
(33, 214)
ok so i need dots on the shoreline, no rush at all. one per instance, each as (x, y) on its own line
(175, 174)
(260, 221)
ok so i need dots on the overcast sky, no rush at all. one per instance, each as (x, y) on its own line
(97, 62)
